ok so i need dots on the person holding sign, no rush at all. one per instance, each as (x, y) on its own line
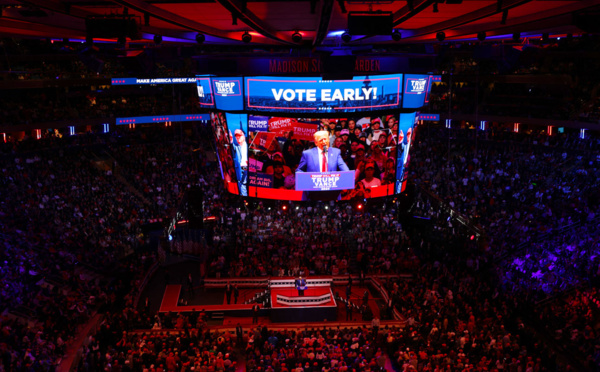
(322, 158)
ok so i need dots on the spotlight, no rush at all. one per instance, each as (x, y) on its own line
(440, 36)
(284, 207)
(396, 35)
(296, 37)
(516, 37)
(481, 36)
(157, 39)
(346, 37)
(246, 37)
(200, 38)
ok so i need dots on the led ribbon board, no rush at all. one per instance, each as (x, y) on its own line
(313, 95)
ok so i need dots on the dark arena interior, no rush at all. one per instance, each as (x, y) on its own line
(299, 186)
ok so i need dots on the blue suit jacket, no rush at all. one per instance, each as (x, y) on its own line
(310, 161)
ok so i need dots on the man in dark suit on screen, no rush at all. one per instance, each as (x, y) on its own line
(321, 159)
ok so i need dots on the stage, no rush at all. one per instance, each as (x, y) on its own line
(211, 297)
(317, 304)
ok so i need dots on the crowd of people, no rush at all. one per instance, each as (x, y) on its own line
(571, 320)
(570, 92)
(95, 219)
(69, 230)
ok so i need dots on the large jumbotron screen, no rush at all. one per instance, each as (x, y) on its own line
(261, 146)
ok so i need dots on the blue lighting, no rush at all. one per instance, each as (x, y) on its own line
(335, 33)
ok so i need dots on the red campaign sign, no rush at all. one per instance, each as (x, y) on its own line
(281, 125)
(303, 131)
(262, 141)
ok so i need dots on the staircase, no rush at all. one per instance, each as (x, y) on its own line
(352, 248)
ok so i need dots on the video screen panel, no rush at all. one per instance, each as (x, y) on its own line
(314, 95)
(367, 146)
(416, 89)
(260, 155)
(406, 133)
(228, 93)
(223, 142)
(205, 95)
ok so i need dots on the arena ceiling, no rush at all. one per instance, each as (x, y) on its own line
(319, 22)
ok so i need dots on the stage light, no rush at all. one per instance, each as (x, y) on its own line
(396, 35)
(359, 206)
(200, 38)
(481, 36)
(296, 37)
(346, 37)
(440, 36)
(246, 37)
(284, 207)
(157, 39)
(472, 237)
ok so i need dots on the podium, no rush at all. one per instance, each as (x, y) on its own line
(300, 286)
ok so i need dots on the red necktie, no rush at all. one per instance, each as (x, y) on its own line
(324, 166)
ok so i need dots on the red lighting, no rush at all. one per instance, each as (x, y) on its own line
(284, 207)
(360, 206)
